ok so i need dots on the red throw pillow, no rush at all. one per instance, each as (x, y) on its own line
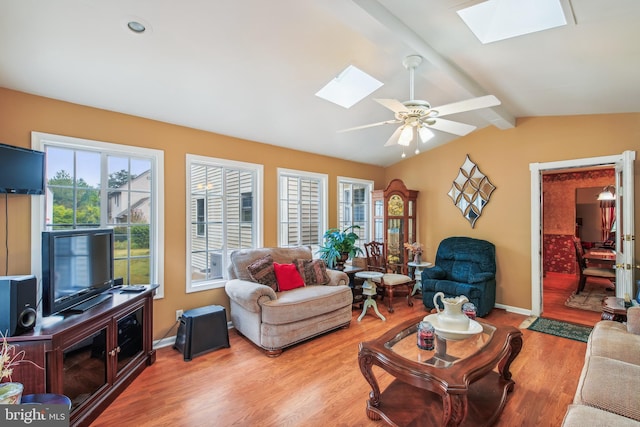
(287, 276)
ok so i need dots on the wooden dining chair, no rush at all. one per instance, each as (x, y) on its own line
(586, 271)
(377, 261)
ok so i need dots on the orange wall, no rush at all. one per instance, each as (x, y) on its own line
(20, 114)
(504, 156)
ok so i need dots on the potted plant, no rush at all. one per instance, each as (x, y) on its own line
(339, 246)
(10, 392)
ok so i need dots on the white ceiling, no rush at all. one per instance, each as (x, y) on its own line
(250, 68)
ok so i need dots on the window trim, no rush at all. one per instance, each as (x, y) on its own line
(324, 179)
(370, 184)
(40, 139)
(258, 213)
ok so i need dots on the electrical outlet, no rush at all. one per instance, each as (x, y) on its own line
(179, 314)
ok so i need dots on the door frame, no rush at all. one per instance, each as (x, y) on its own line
(536, 210)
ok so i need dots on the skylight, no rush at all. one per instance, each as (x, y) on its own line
(495, 20)
(349, 87)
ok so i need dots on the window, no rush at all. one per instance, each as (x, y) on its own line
(94, 184)
(302, 208)
(200, 217)
(354, 199)
(224, 211)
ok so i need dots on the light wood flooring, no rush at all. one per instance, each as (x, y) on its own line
(557, 288)
(318, 382)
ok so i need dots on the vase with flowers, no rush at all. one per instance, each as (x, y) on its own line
(10, 392)
(416, 251)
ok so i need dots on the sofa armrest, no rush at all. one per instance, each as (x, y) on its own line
(337, 278)
(633, 320)
(434, 272)
(247, 294)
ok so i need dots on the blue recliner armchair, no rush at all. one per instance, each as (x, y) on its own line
(463, 266)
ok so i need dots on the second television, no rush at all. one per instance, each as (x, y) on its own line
(76, 266)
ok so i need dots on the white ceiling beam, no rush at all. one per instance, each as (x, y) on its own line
(497, 116)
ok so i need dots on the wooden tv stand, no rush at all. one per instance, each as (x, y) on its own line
(90, 357)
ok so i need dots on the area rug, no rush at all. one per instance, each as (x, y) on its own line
(560, 329)
(590, 298)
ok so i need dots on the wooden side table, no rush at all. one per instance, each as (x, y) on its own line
(613, 309)
(369, 290)
(356, 288)
(417, 274)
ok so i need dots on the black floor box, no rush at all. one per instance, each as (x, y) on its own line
(202, 330)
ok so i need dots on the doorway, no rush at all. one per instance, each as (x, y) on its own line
(623, 164)
(571, 209)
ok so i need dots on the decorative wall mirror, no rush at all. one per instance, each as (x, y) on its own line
(471, 191)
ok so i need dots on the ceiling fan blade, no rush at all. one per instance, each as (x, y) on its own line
(393, 140)
(392, 104)
(387, 122)
(449, 126)
(467, 105)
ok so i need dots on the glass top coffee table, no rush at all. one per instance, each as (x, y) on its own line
(454, 384)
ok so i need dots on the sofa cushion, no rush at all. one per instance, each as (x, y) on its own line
(287, 276)
(633, 320)
(262, 271)
(611, 339)
(610, 385)
(580, 416)
(313, 271)
(303, 303)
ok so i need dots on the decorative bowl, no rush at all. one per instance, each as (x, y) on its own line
(473, 329)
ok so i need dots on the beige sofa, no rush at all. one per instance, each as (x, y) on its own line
(607, 393)
(275, 320)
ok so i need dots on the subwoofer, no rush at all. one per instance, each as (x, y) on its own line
(18, 301)
(202, 330)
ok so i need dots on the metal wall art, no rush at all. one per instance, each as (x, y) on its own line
(471, 191)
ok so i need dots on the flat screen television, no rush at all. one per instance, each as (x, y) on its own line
(76, 266)
(21, 170)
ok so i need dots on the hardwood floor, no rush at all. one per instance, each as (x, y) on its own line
(557, 288)
(318, 382)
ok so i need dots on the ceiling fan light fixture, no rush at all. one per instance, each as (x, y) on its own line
(406, 136)
(425, 134)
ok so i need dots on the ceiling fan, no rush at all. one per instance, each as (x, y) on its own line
(417, 117)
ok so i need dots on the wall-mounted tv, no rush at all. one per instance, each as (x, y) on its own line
(76, 266)
(21, 170)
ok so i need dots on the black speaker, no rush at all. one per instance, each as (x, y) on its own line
(18, 301)
(202, 330)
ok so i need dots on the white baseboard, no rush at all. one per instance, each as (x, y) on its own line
(517, 310)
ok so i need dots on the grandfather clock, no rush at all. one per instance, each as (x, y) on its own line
(394, 221)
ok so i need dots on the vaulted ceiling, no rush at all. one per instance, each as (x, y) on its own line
(250, 68)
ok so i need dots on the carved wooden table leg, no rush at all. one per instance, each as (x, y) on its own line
(366, 362)
(515, 345)
(455, 409)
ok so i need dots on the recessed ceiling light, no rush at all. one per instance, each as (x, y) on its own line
(349, 87)
(136, 26)
(495, 20)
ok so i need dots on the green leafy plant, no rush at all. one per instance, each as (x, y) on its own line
(339, 244)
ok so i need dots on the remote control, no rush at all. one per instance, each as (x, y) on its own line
(133, 288)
